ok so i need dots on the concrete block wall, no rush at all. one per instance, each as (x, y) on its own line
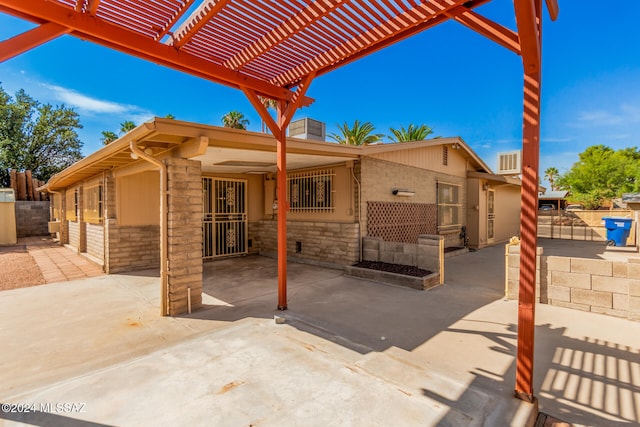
(95, 242)
(425, 254)
(184, 234)
(320, 242)
(32, 218)
(595, 285)
(132, 247)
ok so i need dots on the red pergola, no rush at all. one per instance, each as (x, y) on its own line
(274, 49)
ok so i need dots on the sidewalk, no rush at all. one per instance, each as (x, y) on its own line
(58, 263)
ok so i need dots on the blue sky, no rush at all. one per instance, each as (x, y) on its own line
(449, 78)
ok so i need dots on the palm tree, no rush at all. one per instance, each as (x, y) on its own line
(127, 126)
(268, 103)
(235, 120)
(412, 133)
(358, 134)
(108, 137)
(551, 174)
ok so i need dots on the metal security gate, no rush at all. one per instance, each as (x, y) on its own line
(224, 225)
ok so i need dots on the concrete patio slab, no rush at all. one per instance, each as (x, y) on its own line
(351, 352)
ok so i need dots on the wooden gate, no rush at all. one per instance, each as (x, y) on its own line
(224, 225)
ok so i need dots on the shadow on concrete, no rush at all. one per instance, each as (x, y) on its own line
(37, 417)
(583, 381)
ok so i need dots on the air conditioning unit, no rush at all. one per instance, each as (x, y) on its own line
(510, 163)
(307, 129)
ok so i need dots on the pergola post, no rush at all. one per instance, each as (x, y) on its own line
(528, 16)
(283, 206)
(528, 237)
(285, 111)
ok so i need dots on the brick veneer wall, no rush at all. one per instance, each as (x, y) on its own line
(95, 241)
(379, 177)
(184, 234)
(132, 247)
(600, 286)
(321, 242)
(32, 218)
(74, 233)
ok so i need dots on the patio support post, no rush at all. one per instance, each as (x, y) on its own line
(283, 206)
(285, 111)
(528, 17)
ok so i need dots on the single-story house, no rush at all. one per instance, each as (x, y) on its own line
(221, 200)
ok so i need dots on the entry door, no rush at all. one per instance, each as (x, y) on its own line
(491, 216)
(224, 224)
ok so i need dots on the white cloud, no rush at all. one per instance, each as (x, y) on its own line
(87, 104)
(600, 117)
(557, 139)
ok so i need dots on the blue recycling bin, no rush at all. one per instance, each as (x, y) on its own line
(617, 230)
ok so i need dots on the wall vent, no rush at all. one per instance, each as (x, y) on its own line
(509, 163)
(307, 129)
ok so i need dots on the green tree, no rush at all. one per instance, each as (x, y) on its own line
(411, 133)
(601, 174)
(358, 134)
(108, 137)
(127, 126)
(37, 137)
(551, 174)
(170, 116)
(235, 120)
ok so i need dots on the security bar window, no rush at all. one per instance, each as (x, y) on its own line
(311, 191)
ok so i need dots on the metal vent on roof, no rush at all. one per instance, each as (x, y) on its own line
(307, 129)
(509, 163)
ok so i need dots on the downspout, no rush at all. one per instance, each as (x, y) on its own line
(359, 210)
(164, 267)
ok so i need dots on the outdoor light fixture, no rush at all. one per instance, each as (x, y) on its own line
(456, 145)
(134, 156)
(403, 193)
(485, 186)
(148, 151)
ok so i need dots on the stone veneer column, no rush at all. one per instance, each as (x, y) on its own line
(110, 217)
(82, 244)
(184, 244)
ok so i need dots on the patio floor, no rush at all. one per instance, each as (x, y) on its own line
(351, 352)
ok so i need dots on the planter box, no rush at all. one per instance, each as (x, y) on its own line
(420, 283)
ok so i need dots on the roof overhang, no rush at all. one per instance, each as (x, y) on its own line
(228, 151)
(456, 143)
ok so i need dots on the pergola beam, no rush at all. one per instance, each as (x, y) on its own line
(87, 27)
(30, 39)
(488, 28)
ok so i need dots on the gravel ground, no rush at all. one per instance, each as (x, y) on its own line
(17, 268)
